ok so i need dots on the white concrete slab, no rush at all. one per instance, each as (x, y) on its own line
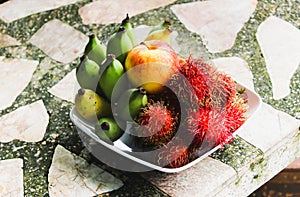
(27, 123)
(15, 9)
(60, 41)
(216, 21)
(280, 45)
(15, 74)
(11, 178)
(70, 175)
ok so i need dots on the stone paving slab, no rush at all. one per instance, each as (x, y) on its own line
(16, 9)
(70, 175)
(106, 12)
(6, 41)
(15, 74)
(66, 89)
(60, 41)
(11, 178)
(280, 45)
(216, 21)
(27, 123)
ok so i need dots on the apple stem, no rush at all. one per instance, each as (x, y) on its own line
(143, 43)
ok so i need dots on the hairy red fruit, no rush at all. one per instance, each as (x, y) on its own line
(174, 155)
(158, 125)
(198, 84)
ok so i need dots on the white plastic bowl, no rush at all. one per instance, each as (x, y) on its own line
(119, 153)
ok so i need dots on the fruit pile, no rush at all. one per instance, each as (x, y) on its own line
(177, 107)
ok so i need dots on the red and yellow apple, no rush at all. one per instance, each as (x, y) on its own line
(151, 64)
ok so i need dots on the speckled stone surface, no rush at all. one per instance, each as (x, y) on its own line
(255, 166)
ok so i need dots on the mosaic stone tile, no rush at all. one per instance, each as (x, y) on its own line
(237, 68)
(15, 74)
(267, 127)
(280, 45)
(66, 88)
(60, 41)
(203, 179)
(16, 9)
(222, 21)
(106, 12)
(6, 41)
(27, 123)
(11, 178)
(70, 175)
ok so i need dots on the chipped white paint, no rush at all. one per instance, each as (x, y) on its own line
(11, 178)
(280, 45)
(27, 123)
(200, 180)
(268, 127)
(60, 41)
(106, 12)
(66, 88)
(216, 21)
(15, 74)
(6, 41)
(237, 68)
(16, 9)
(70, 175)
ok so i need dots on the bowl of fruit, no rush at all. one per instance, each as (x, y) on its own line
(141, 106)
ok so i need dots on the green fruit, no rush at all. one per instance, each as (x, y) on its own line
(127, 24)
(161, 34)
(90, 105)
(95, 50)
(164, 25)
(112, 73)
(130, 103)
(119, 44)
(87, 73)
(107, 128)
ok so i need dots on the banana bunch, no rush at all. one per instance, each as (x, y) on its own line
(90, 105)
(130, 103)
(161, 32)
(94, 50)
(119, 44)
(101, 75)
(112, 73)
(87, 73)
(108, 130)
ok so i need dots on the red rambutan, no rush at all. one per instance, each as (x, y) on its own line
(198, 84)
(156, 125)
(173, 155)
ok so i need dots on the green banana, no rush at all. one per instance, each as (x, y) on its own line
(130, 103)
(95, 50)
(162, 34)
(127, 24)
(108, 130)
(167, 23)
(90, 105)
(112, 73)
(119, 44)
(87, 73)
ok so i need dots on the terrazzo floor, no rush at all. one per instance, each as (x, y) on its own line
(256, 42)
